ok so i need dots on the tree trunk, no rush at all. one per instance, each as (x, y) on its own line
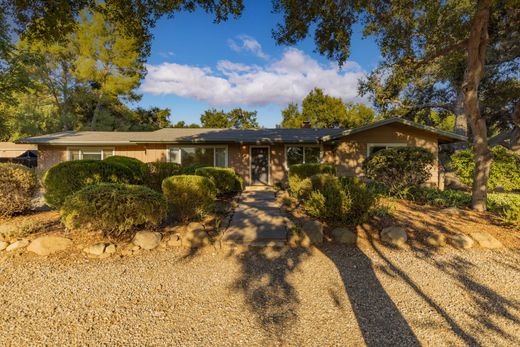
(461, 121)
(96, 112)
(477, 45)
(515, 134)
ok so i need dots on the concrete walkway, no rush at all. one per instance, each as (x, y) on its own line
(257, 218)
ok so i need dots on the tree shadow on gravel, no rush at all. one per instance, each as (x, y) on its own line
(379, 319)
(266, 288)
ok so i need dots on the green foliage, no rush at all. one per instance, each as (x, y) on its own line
(68, 177)
(439, 198)
(17, 187)
(114, 208)
(189, 196)
(225, 179)
(507, 206)
(331, 202)
(139, 169)
(299, 172)
(363, 197)
(325, 111)
(236, 118)
(158, 171)
(399, 168)
(504, 173)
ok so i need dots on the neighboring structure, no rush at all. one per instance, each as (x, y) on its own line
(24, 154)
(260, 156)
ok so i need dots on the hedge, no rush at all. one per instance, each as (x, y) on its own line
(160, 170)
(116, 209)
(139, 169)
(504, 173)
(189, 196)
(69, 177)
(225, 179)
(17, 187)
(399, 168)
(299, 172)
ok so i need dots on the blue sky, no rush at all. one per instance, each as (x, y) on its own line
(196, 64)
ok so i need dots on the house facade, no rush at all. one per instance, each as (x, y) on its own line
(260, 156)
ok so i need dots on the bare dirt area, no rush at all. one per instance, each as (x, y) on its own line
(332, 295)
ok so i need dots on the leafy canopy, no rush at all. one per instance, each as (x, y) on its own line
(236, 118)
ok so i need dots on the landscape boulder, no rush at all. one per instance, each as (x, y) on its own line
(175, 240)
(195, 236)
(394, 235)
(17, 245)
(436, 240)
(344, 236)
(147, 239)
(3, 245)
(45, 245)
(314, 231)
(485, 240)
(461, 241)
(96, 249)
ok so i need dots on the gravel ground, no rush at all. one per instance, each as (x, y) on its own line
(328, 296)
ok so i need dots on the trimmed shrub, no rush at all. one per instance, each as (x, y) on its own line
(399, 168)
(68, 177)
(226, 180)
(160, 170)
(190, 169)
(139, 168)
(17, 187)
(363, 197)
(116, 209)
(332, 202)
(189, 196)
(299, 172)
(504, 173)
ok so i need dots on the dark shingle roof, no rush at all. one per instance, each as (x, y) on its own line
(205, 135)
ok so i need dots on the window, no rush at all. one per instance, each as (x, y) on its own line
(376, 147)
(90, 153)
(302, 154)
(207, 156)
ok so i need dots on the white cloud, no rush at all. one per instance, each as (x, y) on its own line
(288, 79)
(247, 44)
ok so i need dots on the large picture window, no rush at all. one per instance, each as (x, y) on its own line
(303, 155)
(90, 153)
(206, 156)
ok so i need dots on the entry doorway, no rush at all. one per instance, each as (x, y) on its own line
(259, 165)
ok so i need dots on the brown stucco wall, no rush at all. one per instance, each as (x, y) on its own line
(351, 151)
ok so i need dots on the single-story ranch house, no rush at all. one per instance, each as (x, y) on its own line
(260, 156)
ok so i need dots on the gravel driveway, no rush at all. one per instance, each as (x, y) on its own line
(328, 296)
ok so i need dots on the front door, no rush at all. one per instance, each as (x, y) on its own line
(260, 165)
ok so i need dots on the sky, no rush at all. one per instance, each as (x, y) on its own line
(196, 64)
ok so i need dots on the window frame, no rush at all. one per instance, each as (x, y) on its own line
(179, 147)
(286, 146)
(384, 144)
(82, 148)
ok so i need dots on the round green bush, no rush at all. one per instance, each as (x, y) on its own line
(139, 168)
(328, 199)
(116, 209)
(69, 177)
(504, 173)
(226, 180)
(363, 198)
(189, 196)
(159, 170)
(399, 168)
(17, 187)
(299, 172)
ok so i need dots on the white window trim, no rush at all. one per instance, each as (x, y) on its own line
(385, 144)
(189, 146)
(286, 164)
(80, 149)
(268, 163)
